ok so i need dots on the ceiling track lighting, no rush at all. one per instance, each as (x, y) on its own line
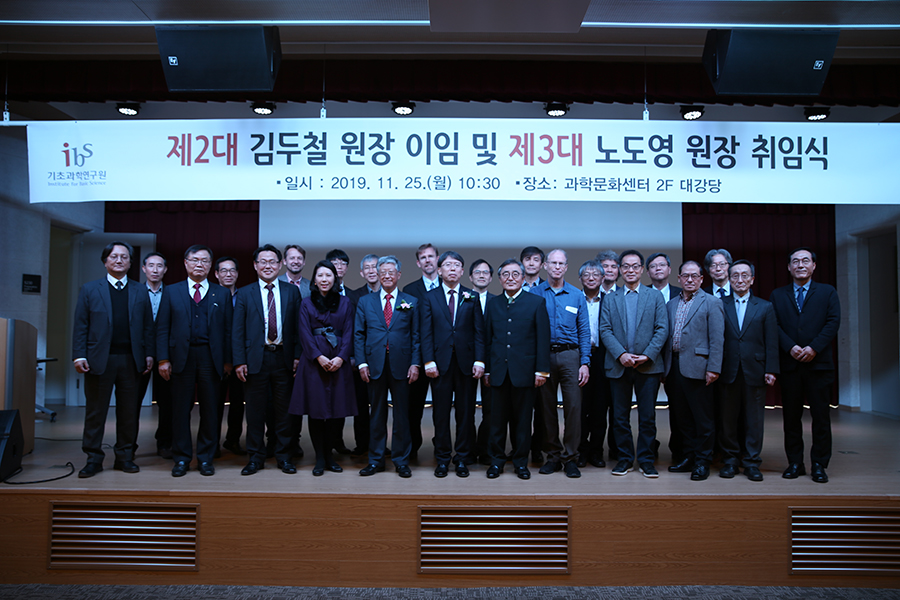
(403, 109)
(692, 113)
(263, 108)
(816, 113)
(556, 109)
(129, 109)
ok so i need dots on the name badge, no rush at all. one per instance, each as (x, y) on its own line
(572, 309)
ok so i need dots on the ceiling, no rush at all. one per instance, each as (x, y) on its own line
(636, 31)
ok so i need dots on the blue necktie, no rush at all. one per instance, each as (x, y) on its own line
(801, 294)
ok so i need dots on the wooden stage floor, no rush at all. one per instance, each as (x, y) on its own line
(346, 530)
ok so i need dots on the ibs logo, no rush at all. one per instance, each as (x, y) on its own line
(76, 157)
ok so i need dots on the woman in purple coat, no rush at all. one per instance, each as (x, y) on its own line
(323, 387)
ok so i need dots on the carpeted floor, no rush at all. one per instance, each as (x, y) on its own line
(219, 592)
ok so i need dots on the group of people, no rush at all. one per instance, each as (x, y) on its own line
(285, 347)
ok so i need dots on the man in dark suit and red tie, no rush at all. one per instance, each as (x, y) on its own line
(809, 315)
(517, 334)
(452, 335)
(388, 355)
(265, 351)
(368, 270)
(749, 364)
(193, 345)
(112, 342)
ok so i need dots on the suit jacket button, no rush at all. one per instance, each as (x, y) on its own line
(507, 345)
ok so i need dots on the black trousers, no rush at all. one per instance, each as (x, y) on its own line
(511, 407)
(401, 442)
(361, 420)
(232, 391)
(162, 396)
(454, 391)
(596, 410)
(121, 374)
(271, 386)
(741, 421)
(693, 402)
(805, 385)
(198, 377)
(645, 387)
(418, 393)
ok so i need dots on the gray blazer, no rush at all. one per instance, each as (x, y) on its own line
(303, 287)
(702, 336)
(649, 339)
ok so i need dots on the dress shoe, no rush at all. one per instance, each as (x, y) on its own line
(537, 458)
(342, 449)
(572, 470)
(252, 468)
(287, 466)
(551, 466)
(234, 448)
(461, 469)
(684, 466)
(700, 472)
(493, 472)
(441, 470)
(753, 474)
(648, 470)
(404, 471)
(180, 468)
(89, 470)
(126, 466)
(371, 470)
(333, 467)
(818, 473)
(794, 471)
(728, 471)
(318, 470)
(207, 469)
(581, 462)
(164, 452)
(523, 473)
(596, 460)
(622, 467)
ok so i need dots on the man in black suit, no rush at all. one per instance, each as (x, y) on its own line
(716, 264)
(232, 388)
(809, 315)
(388, 355)
(452, 335)
(517, 334)
(426, 260)
(112, 342)
(266, 352)
(659, 267)
(154, 267)
(749, 364)
(368, 270)
(481, 273)
(194, 352)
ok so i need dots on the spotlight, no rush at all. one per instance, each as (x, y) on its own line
(263, 108)
(556, 109)
(403, 108)
(813, 113)
(691, 113)
(129, 109)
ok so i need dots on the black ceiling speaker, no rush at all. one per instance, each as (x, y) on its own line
(768, 62)
(219, 58)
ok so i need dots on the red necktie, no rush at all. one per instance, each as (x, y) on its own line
(197, 297)
(388, 310)
(273, 315)
(452, 306)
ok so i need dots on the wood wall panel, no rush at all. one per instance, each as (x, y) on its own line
(363, 541)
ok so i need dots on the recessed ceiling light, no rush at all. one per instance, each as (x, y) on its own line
(691, 113)
(263, 108)
(129, 109)
(816, 113)
(403, 108)
(556, 109)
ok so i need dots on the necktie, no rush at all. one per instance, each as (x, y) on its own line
(273, 315)
(741, 310)
(197, 297)
(119, 285)
(452, 306)
(388, 310)
(801, 294)
(721, 292)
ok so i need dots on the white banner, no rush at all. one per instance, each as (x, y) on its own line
(474, 159)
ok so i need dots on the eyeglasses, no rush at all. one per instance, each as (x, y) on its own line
(741, 276)
(228, 271)
(268, 263)
(199, 261)
(481, 273)
(510, 275)
(801, 261)
(627, 268)
(720, 265)
(690, 276)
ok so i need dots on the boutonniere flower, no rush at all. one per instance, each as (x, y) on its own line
(404, 305)
(466, 296)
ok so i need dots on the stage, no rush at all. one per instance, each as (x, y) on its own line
(346, 530)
